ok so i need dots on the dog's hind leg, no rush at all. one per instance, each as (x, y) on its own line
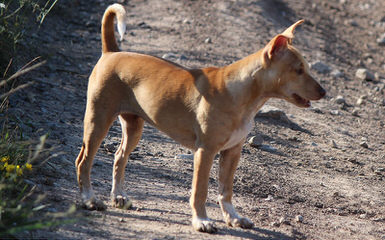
(97, 121)
(227, 165)
(132, 126)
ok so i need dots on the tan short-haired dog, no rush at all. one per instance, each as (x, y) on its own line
(208, 110)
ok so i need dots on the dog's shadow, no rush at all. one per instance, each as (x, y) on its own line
(223, 230)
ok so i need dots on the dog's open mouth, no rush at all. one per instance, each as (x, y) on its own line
(301, 101)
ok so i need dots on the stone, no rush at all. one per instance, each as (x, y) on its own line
(364, 74)
(364, 144)
(255, 141)
(208, 40)
(299, 218)
(334, 112)
(272, 112)
(333, 144)
(337, 73)
(356, 112)
(284, 220)
(381, 40)
(185, 156)
(340, 100)
(320, 67)
(110, 147)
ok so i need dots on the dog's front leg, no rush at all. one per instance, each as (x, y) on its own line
(227, 165)
(203, 160)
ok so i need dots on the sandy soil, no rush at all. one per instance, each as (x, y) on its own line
(313, 163)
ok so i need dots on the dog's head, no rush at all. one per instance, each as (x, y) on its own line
(289, 71)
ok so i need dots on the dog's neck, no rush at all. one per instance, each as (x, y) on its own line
(249, 82)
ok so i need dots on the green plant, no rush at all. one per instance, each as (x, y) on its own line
(15, 19)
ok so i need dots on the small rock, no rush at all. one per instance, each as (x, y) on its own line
(110, 147)
(337, 73)
(284, 220)
(255, 141)
(208, 40)
(185, 156)
(269, 198)
(169, 56)
(334, 112)
(381, 40)
(363, 216)
(364, 75)
(360, 101)
(364, 144)
(320, 67)
(272, 112)
(299, 218)
(356, 112)
(333, 144)
(340, 100)
(186, 21)
(274, 224)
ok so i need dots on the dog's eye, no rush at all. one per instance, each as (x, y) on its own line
(299, 71)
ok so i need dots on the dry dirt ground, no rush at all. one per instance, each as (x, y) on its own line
(325, 164)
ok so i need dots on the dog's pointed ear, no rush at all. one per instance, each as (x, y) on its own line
(280, 42)
(277, 44)
(289, 32)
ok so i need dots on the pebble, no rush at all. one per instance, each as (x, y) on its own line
(110, 147)
(169, 56)
(360, 101)
(333, 144)
(364, 74)
(356, 112)
(284, 220)
(364, 144)
(381, 40)
(185, 156)
(269, 198)
(337, 73)
(208, 40)
(320, 67)
(274, 224)
(334, 112)
(340, 100)
(272, 112)
(299, 218)
(255, 141)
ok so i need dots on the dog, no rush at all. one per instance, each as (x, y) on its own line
(208, 110)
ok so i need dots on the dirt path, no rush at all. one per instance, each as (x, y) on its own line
(313, 164)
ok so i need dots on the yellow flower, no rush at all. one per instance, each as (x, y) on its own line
(9, 168)
(19, 171)
(5, 159)
(28, 166)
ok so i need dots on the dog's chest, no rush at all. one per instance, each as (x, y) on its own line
(239, 133)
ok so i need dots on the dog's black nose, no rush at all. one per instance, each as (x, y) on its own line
(322, 92)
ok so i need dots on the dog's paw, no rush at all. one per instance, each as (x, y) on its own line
(204, 225)
(240, 222)
(94, 204)
(121, 202)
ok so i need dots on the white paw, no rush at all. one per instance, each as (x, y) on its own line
(240, 222)
(122, 202)
(204, 225)
(94, 204)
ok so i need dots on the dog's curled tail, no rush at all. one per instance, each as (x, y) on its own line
(108, 38)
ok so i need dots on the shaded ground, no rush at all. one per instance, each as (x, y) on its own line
(338, 188)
